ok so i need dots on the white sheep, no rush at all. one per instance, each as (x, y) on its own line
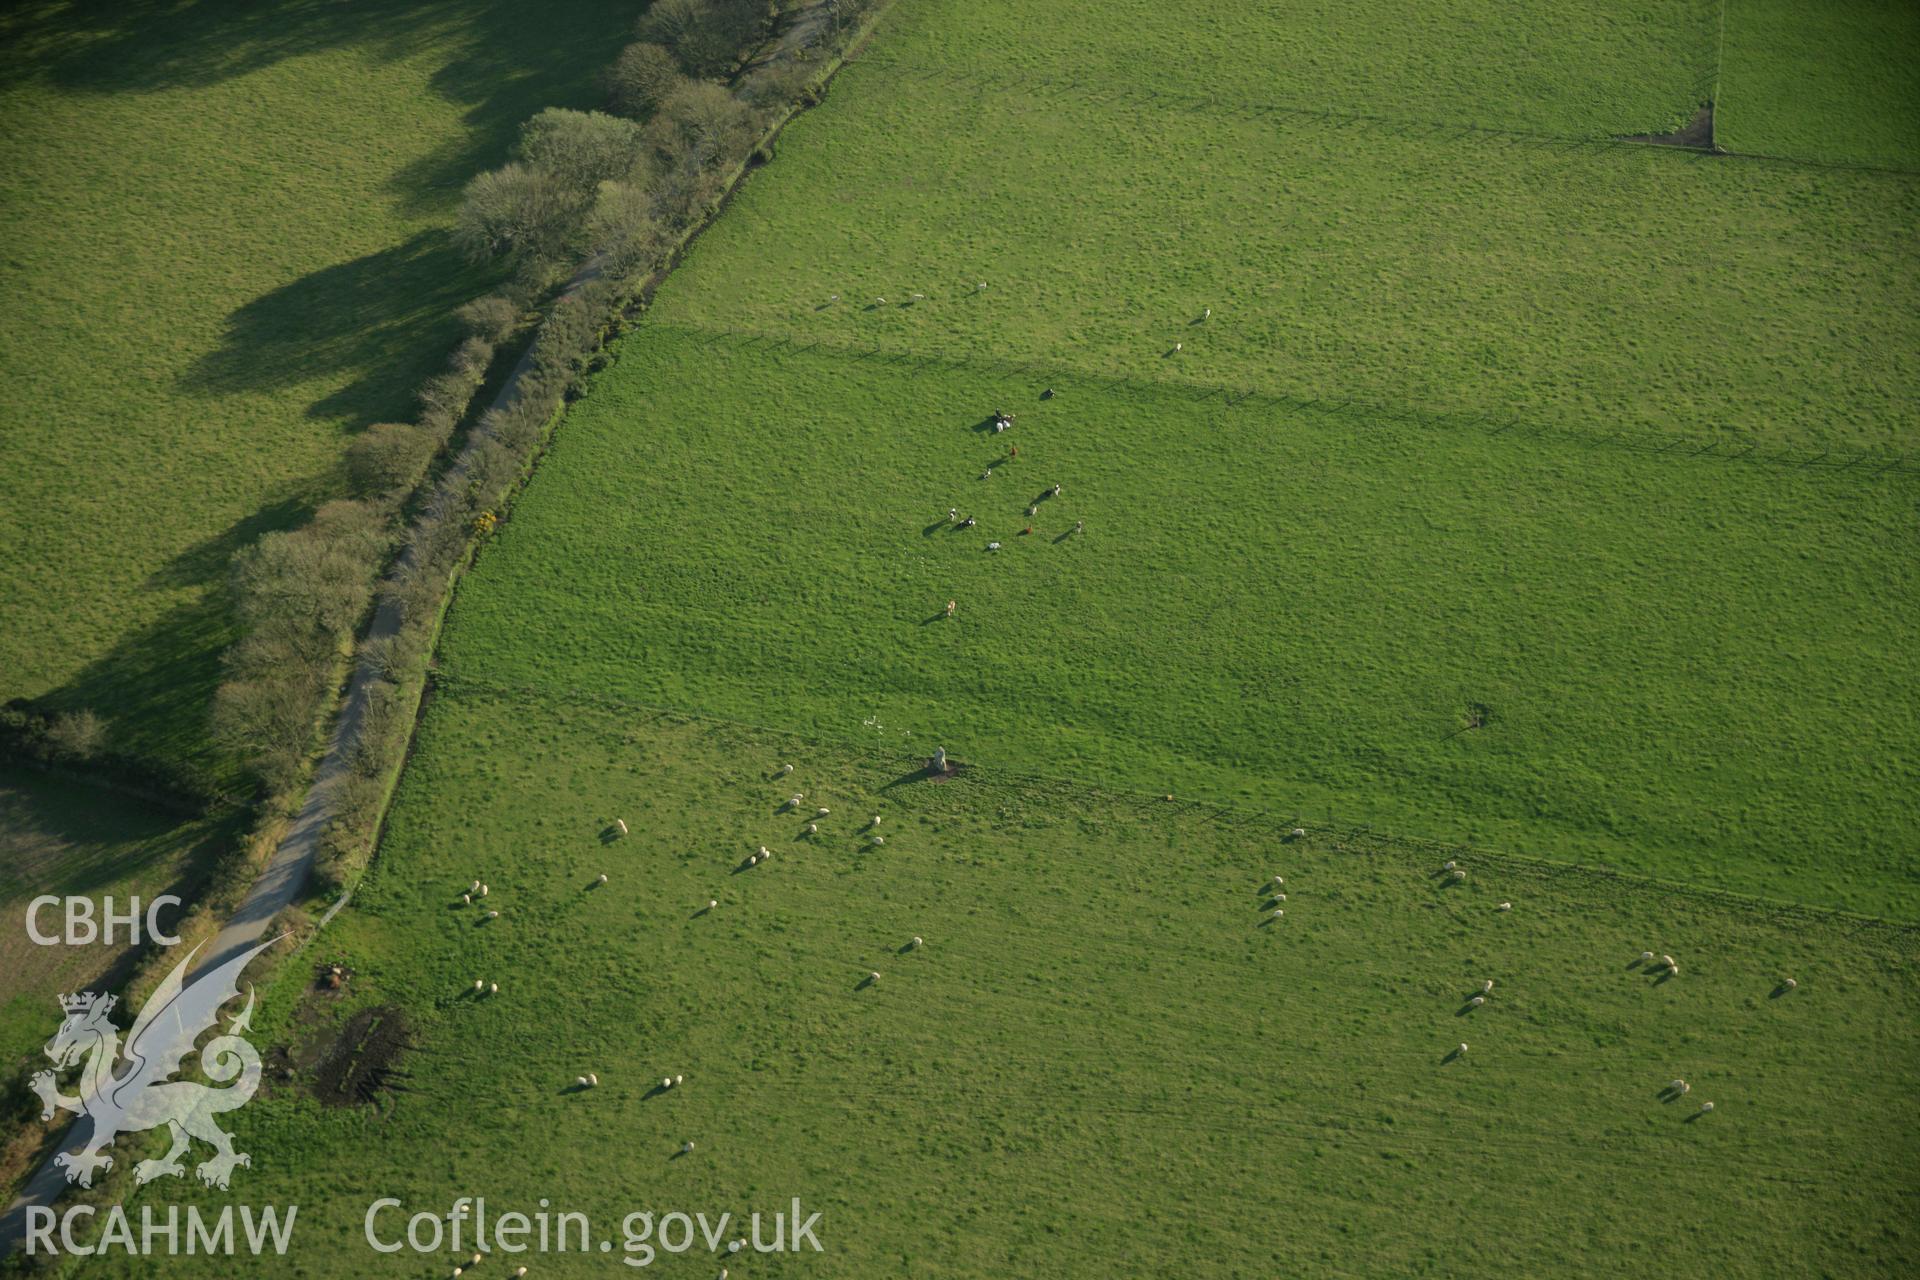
(1486, 986)
(1449, 866)
(764, 852)
(475, 1261)
(785, 769)
(1679, 1086)
(874, 976)
(1278, 880)
(753, 859)
(1646, 957)
(593, 1081)
(1789, 984)
(1459, 874)
(579, 1082)
(474, 887)
(1667, 961)
(876, 819)
(916, 941)
(1705, 1107)
(879, 839)
(1279, 897)
(1462, 1048)
(620, 825)
(686, 1148)
(479, 984)
(678, 1079)
(603, 878)
(467, 898)
(1477, 1001)
(879, 302)
(519, 1272)
(484, 891)
(1178, 346)
(919, 297)
(813, 828)
(712, 903)
(493, 915)
(666, 1082)
(793, 801)
(493, 988)
(1278, 912)
(1299, 833)
(1505, 906)
(822, 812)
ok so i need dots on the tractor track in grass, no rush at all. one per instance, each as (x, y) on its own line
(1854, 463)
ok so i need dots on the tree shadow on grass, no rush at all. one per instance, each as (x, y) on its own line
(387, 317)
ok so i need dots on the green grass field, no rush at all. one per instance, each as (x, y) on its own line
(60, 838)
(1602, 288)
(226, 252)
(1102, 1060)
(1837, 82)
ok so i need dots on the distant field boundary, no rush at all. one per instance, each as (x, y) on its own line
(1054, 88)
(1337, 834)
(1856, 463)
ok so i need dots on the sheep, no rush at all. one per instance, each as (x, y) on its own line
(753, 859)
(813, 828)
(493, 915)
(765, 854)
(1705, 1107)
(666, 1082)
(484, 891)
(1789, 984)
(1206, 313)
(834, 297)
(1505, 906)
(1667, 962)
(874, 976)
(467, 898)
(1646, 957)
(1486, 986)
(1459, 874)
(1679, 1086)
(1673, 970)
(785, 769)
(686, 1148)
(602, 879)
(593, 1081)
(579, 1082)
(919, 297)
(493, 988)
(822, 812)
(479, 984)
(1449, 866)
(712, 903)
(1298, 833)
(982, 285)
(1279, 880)
(879, 302)
(1278, 912)
(678, 1079)
(1462, 1048)
(793, 801)
(879, 839)
(475, 1262)
(876, 819)
(620, 825)
(1179, 346)
(1477, 1001)
(474, 887)
(519, 1272)
(987, 474)
(1279, 897)
(916, 942)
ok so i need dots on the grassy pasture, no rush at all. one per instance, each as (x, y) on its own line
(1696, 669)
(1572, 67)
(1837, 81)
(1101, 1061)
(59, 838)
(225, 253)
(1605, 288)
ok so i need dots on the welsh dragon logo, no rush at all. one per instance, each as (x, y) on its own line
(127, 1097)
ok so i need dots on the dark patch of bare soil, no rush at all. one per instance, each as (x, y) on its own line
(1696, 134)
(363, 1060)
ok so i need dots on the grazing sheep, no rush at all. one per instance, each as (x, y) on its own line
(918, 297)
(603, 878)
(1449, 866)
(1477, 1001)
(830, 298)
(980, 286)
(874, 976)
(474, 887)
(916, 940)
(620, 825)
(1789, 984)
(1668, 962)
(518, 1272)
(493, 988)
(879, 302)
(593, 1081)
(1646, 957)
(1462, 1048)
(493, 915)
(686, 1148)
(712, 903)
(467, 898)
(1673, 970)
(765, 852)
(1679, 1086)
(1279, 897)
(475, 1262)
(1505, 906)
(813, 828)
(666, 1082)
(876, 819)
(1179, 346)
(484, 891)
(1459, 874)
(785, 769)
(793, 801)
(879, 839)
(579, 1082)
(1278, 912)
(1279, 879)
(479, 984)
(1207, 313)
(1298, 833)
(753, 859)
(1486, 986)
(822, 812)
(678, 1079)
(1705, 1107)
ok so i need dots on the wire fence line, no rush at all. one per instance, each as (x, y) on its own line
(1650, 442)
(1704, 88)
(1327, 832)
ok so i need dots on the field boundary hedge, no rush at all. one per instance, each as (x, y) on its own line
(1859, 463)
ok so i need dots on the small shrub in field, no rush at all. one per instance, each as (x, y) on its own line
(77, 734)
(641, 79)
(388, 456)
